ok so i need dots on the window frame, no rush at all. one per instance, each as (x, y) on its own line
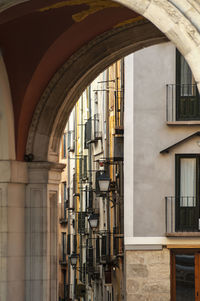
(185, 102)
(178, 158)
(181, 251)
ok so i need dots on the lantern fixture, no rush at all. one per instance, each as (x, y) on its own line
(73, 260)
(93, 220)
(102, 181)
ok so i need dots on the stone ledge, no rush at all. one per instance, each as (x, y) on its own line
(183, 234)
(176, 123)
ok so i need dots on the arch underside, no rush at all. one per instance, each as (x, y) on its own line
(74, 76)
(80, 36)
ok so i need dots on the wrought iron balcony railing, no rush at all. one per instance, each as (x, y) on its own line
(182, 102)
(182, 214)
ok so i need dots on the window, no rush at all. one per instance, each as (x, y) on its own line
(187, 192)
(64, 247)
(185, 271)
(88, 133)
(64, 203)
(187, 96)
(70, 141)
(97, 132)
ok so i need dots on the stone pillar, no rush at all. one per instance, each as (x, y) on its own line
(13, 178)
(41, 231)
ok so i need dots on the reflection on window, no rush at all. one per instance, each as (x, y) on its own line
(185, 277)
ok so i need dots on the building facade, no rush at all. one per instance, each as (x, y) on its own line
(161, 176)
(92, 149)
(161, 183)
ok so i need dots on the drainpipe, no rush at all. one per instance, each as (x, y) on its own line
(90, 153)
(107, 149)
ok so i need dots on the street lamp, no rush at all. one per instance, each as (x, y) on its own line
(103, 181)
(73, 260)
(93, 220)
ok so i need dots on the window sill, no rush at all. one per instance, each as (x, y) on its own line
(192, 122)
(183, 234)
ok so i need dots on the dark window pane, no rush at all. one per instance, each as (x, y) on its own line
(185, 278)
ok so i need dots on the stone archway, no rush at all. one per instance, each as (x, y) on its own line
(177, 21)
(44, 140)
(69, 82)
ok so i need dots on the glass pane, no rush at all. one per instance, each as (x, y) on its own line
(185, 278)
(188, 182)
(186, 80)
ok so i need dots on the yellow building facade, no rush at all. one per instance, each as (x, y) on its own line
(95, 129)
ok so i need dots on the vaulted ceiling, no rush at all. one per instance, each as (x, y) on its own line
(38, 36)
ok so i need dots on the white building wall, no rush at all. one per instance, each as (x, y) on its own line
(149, 175)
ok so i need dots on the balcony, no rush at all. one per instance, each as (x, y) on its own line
(63, 212)
(182, 216)
(63, 258)
(182, 104)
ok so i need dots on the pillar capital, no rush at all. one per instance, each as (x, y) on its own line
(44, 172)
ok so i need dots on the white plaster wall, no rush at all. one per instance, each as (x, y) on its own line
(146, 134)
(128, 145)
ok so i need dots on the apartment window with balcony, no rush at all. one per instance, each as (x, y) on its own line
(183, 100)
(187, 96)
(187, 192)
(182, 210)
(64, 247)
(64, 203)
(88, 133)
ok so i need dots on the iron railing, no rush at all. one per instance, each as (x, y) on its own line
(182, 102)
(181, 214)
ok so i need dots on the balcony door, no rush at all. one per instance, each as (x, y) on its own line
(187, 96)
(185, 275)
(187, 193)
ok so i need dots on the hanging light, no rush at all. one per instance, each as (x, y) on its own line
(104, 181)
(73, 259)
(93, 220)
